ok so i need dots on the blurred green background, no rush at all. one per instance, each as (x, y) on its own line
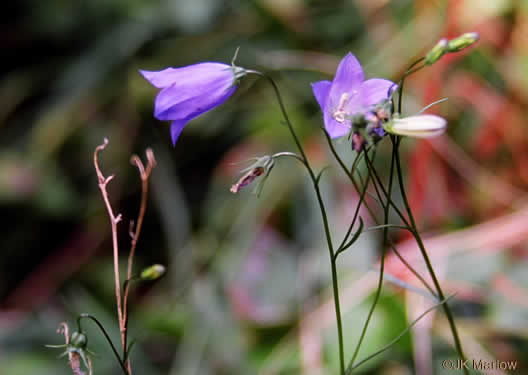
(247, 289)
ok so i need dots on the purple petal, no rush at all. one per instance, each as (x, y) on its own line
(335, 129)
(162, 78)
(184, 103)
(349, 75)
(188, 75)
(347, 80)
(320, 90)
(176, 129)
(375, 90)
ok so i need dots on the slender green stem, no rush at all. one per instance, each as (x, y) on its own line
(386, 194)
(415, 273)
(379, 200)
(101, 327)
(356, 213)
(397, 338)
(322, 208)
(288, 154)
(350, 174)
(432, 104)
(408, 72)
(382, 264)
(286, 118)
(339, 160)
(352, 240)
(375, 197)
(425, 256)
(335, 287)
(383, 226)
(406, 227)
(344, 244)
(358, 158)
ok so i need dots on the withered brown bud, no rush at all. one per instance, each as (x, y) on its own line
(247, 179)
(357, 142)
(382, 114)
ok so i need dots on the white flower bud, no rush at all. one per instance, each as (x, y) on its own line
(420, 126)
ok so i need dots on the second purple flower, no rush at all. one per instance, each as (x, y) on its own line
(349, 95)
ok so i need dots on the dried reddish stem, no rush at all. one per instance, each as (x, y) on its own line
(63, 328)
(122, 305)
(114, 220)
(144, 174)
(74, 359)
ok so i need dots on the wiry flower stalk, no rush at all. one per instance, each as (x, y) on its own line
(351, 105)
(122, 301)
(114, 220)
(144, 174)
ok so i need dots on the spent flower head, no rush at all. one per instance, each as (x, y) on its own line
(189, 91)
(75, 347)
(261, 166)
(345, 100)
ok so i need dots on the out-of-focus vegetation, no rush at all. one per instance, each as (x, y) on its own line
(247, 289)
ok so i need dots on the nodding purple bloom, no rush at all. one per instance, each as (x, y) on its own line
(189, 91)
(349, 95)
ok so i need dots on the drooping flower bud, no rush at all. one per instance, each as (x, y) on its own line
(261, 167)
(153, 272)
(463, 41)
(247, 179)
(437, 51)
(420, 126)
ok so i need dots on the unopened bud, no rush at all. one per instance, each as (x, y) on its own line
(463, 41)
(437, 51)
(153, 272)
(420, 126)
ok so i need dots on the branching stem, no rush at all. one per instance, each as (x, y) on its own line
(144, 174)
(382, 263)
(122, 301)
(103, 330)
(114, 220)
(425, 256)
(315, 182)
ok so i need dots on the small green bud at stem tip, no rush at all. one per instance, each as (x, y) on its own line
(461, 42)
(437, 52)
(153, 272)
